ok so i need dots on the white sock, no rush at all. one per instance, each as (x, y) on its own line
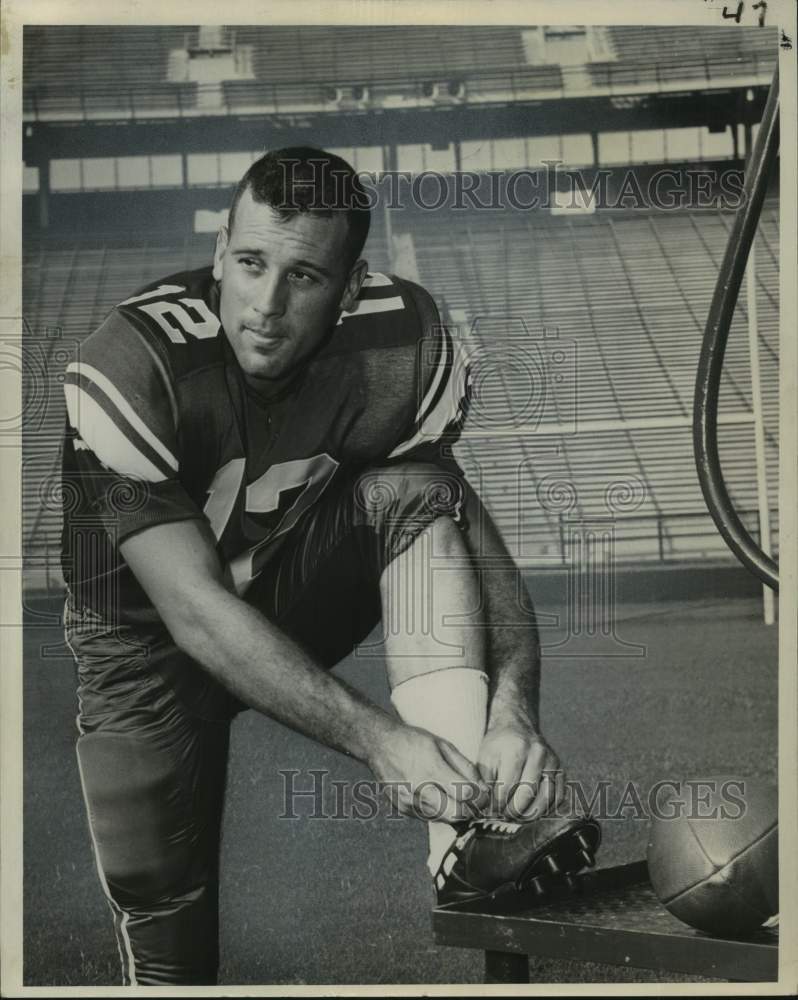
(452, 703)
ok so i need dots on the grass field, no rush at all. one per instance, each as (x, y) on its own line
(340, 901)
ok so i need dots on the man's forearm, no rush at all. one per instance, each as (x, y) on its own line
(271, 673)
(513, 649)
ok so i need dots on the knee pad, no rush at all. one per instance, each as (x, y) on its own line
(142, 825)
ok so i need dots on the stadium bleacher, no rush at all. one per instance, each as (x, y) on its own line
(98, 68)
(82, 71)
(626, 295)
(680, 53)
(630, 294)
(327, 54)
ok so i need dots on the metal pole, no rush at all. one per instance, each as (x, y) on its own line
(759, 427)
(710, 365)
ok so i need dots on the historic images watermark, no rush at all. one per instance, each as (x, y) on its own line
(550, 185)
(315, 794)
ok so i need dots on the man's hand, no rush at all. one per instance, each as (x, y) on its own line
(428, 777)
(522, 769)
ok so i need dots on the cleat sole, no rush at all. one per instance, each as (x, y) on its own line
(554, 868)
(566, 856)
(537, 886)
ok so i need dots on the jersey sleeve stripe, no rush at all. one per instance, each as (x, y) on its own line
(444, 405)
(366, 306)
(443, 370)
(432, 395)
(104, 384)
(89, 408)
(434, 426)
(377, 280)
(107, 441)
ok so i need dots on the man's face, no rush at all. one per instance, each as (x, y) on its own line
(283, 283)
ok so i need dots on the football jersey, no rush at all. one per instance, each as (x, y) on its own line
(162, 426)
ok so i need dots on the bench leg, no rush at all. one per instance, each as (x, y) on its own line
(506, 967)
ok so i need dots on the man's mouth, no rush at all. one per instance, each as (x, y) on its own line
(264, 336)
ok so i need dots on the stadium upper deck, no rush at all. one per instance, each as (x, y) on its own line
(664, 54)
(85, 72)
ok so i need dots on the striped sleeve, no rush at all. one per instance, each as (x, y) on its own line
(445, 377)
(121, 404)
(122, 431)
(131, 443)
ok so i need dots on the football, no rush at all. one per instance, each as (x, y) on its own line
(713, 855)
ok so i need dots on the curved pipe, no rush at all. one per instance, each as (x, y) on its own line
(716, 333)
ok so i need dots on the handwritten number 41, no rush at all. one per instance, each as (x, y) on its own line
(735, 15)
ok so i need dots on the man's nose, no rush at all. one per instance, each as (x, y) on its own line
(270, 297)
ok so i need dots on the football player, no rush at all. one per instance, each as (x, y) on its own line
(256, 471)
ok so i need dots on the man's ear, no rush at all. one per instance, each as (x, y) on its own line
(353, 285)
(222, 239)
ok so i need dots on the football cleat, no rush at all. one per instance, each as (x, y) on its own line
(493, 855)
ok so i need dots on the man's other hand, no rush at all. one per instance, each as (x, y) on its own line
(524, 773)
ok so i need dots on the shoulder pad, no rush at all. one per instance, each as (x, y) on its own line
(389, 312)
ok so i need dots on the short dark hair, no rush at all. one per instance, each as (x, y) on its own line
(303, 179)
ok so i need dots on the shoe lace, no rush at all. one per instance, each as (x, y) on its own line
(498, 825)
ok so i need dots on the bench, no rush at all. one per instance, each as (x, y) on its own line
(610, 916)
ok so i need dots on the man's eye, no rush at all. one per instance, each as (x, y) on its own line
(301, 278)
(249, 262)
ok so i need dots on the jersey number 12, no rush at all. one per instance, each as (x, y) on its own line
(263, 497)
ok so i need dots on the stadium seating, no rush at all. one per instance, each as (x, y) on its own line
(80, 71)
(672, 54)
(100, 68)
(623, 295)
(629, 295)
(328, 55)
